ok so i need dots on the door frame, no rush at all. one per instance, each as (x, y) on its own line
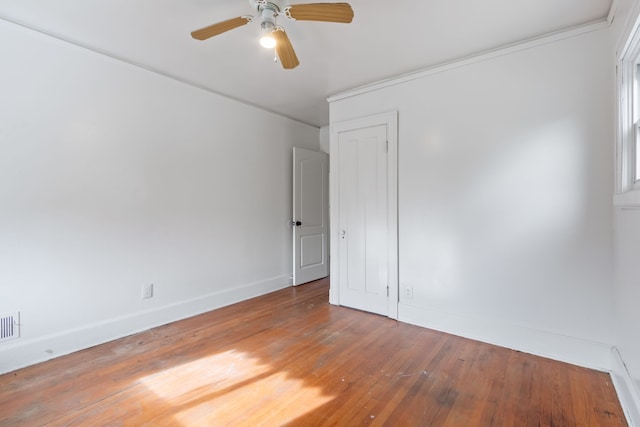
(390, 120)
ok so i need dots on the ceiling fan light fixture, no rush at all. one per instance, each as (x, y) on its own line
(267, 41)
(267, 25)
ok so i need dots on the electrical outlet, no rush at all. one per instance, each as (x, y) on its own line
(147, 291)
(408, 292)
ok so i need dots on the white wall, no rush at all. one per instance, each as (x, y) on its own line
(112, 177)
(505, 187)
(626, 372)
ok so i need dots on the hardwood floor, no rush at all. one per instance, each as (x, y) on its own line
(289, 358)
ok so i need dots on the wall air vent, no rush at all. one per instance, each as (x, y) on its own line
(9, 326)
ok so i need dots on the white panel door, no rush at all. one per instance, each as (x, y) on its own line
(363, 219)
(310, 215)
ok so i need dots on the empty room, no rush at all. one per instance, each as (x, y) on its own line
(267, 213)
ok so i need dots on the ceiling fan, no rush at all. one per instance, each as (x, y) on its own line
(274, 35)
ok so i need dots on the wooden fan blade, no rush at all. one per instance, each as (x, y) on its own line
(325, 12)
(284, 49)
(220, 27)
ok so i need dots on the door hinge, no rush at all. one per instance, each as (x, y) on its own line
(387, 146)
(387, 290)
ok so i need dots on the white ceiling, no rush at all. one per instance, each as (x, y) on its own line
(386, 38)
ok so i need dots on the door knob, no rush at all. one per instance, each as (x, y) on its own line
(296, 223)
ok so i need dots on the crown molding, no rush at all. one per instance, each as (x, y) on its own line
(472, 59)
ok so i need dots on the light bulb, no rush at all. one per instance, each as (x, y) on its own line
(268, 41)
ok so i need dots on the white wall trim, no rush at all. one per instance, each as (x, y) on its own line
(468, 60)
(630, 28)
(577, 351)
(18, 354)
(612, 12)
(113, 56)
(627, 392)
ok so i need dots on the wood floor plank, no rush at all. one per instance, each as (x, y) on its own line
(290, 358)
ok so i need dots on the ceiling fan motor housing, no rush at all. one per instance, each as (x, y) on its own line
(268, 21)
(260, 5)
(268, 11)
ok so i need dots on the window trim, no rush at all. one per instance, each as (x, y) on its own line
(627, 191)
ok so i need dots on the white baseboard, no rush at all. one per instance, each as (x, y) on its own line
(18, 354)
(577, 351)
(628, 394)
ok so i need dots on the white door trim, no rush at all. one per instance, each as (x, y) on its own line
(390, 119)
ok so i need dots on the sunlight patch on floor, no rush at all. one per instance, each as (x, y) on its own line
(232, 388)
(213, 374)
(273, 400)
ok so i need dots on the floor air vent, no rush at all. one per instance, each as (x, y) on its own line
(9, 326)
